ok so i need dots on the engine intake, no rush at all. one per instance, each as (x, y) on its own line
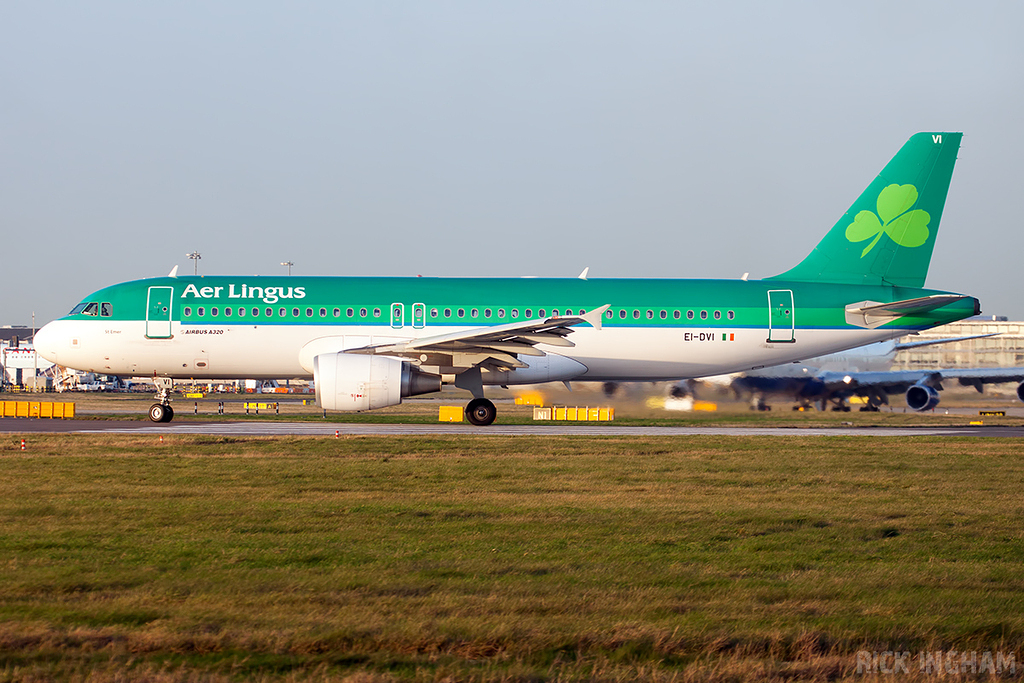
(349, 381)
(922, 397)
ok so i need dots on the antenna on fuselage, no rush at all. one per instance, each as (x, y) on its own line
(174, 272)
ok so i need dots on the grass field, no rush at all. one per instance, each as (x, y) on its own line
(490, 558)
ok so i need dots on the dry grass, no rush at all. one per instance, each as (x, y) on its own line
(701, 558)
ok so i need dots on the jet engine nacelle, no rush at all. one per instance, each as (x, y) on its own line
(922, 397)
(349, 381)
(1020, 391)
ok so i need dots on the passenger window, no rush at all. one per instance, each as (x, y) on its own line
(106, 310)
(501, 312)
(91, 309)
(295, 313)
(255, 312)
(323, 312)
(447, 312)
(376, 313)
(528, 313)
(730, 315)
(703, 315)
(362, 312)
(689, 315)
(282, 312)
(269, 312)
(622, 313)
(433, 312)
(675, 314)
(636, 314)
(213, 311)
(664, 314)
(542, 313)
(188, 312)
(201, 311)
(461, 312)
(514, 313)
(337, 312)
(227, 311)
(487, 313)
(349, 312)
(554, 312)
(309, 312)
(650, 314)
(474, 313)
(718, 315)
(609, 314)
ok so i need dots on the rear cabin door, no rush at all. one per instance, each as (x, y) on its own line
(781, 318)
(158, 312)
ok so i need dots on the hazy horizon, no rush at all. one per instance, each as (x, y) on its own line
(640, 139)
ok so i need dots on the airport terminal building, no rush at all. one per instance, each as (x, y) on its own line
(1006, 349)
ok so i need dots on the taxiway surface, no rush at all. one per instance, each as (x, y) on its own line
(269, 428)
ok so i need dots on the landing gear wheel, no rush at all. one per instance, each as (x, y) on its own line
(481, 412)
(158, 412)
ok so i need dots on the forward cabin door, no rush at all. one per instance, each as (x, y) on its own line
(781, 318)
(419, 316)
(158, 312)
(397, 316)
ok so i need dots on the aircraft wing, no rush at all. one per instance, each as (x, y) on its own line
(495, 347)
(945, 340)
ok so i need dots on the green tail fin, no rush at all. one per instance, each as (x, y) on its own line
(887, 236)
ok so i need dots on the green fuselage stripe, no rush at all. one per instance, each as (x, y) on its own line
(635, 303)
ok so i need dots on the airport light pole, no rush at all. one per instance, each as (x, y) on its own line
(289, 264)
(35, 358)
(195, 256)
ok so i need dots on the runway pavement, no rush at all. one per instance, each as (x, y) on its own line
(269, 428)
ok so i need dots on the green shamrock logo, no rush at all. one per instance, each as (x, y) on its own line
(904, 227)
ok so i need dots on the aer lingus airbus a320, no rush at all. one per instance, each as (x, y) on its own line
(370, 342)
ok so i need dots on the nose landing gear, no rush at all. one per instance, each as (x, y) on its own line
(161, 411)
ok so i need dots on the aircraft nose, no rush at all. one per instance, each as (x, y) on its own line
(46, 341)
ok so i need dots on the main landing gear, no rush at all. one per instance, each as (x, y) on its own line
(158, 412)
(481, 412)
(161, 411)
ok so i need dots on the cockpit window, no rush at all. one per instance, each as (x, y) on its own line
(106, 310)
(78, 309)
(92, 308)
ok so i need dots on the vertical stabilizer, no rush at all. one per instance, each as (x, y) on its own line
(887, 235)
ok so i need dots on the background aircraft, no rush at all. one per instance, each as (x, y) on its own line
(864, 372)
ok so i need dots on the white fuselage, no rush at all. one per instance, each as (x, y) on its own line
(286, 351)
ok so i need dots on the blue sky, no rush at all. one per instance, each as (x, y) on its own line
(651, 139)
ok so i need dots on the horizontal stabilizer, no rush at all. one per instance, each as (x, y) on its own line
(872, 314)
